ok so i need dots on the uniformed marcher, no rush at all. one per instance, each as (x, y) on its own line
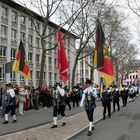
(131, 93)
(124, 95)
(106, 101)
(115, 97)
(59, 104)
(10, 104)
(88, 100)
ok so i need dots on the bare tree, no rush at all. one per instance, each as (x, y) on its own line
(47, 9)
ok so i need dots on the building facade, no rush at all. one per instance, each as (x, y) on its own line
(134, 74)
(84, 67)
(15, 25)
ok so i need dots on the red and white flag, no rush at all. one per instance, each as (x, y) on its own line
(62, 63)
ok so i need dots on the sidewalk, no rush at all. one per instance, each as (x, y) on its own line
(74, 124)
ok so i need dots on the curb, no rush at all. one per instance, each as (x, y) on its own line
(82, 129)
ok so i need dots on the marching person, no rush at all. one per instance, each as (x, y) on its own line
(115, 96)
(88, 100)
(75, 96)
(124, 95)
(131, 93)
(59, 96)
(10, 104)
(106, 101)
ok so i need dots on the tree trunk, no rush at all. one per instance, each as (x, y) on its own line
(42, 68)
(74, 69)
(116, 71)
(92, 74)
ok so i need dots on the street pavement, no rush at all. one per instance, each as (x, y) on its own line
(123, 125)
(32, 118)
(76, 121)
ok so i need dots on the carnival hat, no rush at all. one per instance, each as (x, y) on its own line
(88, 81)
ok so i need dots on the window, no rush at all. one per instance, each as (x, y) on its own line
(44, 75)
(2, 52)
(37, 26)
(30, 24)
(37, 42)
(50, 61)
(31, 74)
(37, 58)
(4, 13)
(50, 34)
(13, 35)
(30, 39)
(55, 76)
(4, 31)
(13, 53)
(14, 17)
(50, 76)
(1, 73)
(49, 45)
(37, 74)
(55, 61)
(12, 76)
(22, 20)
(30, 57)
(22, 36)
(21, 78)
(68, 52)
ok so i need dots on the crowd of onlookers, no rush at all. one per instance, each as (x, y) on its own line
(34, 98)
(42, 97)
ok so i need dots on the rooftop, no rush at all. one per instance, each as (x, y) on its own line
(23, 9)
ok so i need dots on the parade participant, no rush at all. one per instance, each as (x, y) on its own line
(131, 93)
(22, 94)
(88, 100)
(67, 100)
(115, 97)
(10, 104)
(59, 104)
(106, 101)
(136, 90)
(35, 97)
(3, 101)
(75, 96)
(124, 95)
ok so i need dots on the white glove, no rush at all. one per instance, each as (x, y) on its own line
(81, 105)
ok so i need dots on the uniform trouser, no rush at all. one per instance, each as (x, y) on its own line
(59, 110)
(125, 101)
(67, 101)
(11, 108)
(21, 107)
(114, 104)
(108, 107)
(90, 114)
(75, 101)
(35, 103)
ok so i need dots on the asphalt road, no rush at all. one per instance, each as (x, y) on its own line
(33, 118)
(123, 125)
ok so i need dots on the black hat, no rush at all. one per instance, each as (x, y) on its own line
(58, 84)
(88, 81)
(8, 85)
